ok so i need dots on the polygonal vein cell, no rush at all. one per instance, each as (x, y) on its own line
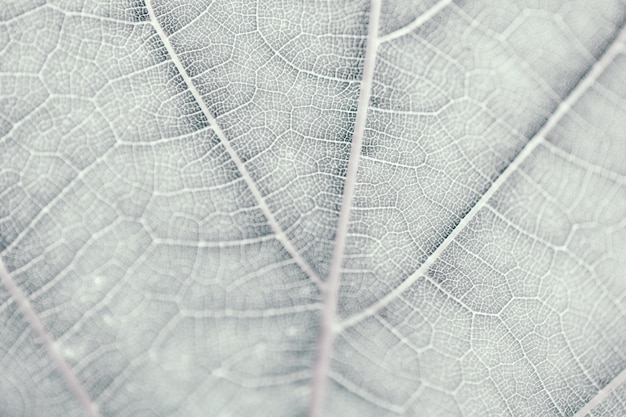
(280, 234)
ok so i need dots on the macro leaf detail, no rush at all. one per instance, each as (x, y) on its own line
(320, 208)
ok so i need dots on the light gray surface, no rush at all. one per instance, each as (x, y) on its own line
(171, 179)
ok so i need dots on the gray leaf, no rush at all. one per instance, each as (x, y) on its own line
(312, 208)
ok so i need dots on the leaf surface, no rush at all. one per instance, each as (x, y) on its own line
(282, 208)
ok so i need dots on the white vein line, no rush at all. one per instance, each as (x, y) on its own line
(602, 394)
(328, 321)
(563, 108)
(587, 165)
(281, 236)
(31, 316)
(423, 18)
(270, 312)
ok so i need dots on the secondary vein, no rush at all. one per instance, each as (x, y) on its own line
(423, 18)
(603, 394)
(31, 316)
(562, 109)
(331, 290)
(281, 236)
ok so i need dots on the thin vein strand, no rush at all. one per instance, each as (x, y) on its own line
(281, 236)
(329, 312)
(575, 94)
(31, 316)
(423, 18)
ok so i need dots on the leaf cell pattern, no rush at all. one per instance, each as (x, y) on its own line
(324, 208)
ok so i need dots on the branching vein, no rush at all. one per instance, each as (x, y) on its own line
(423, 18)
(585, 83)
(281, 236)
(328, 323)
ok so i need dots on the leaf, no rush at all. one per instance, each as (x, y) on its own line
(236, 208)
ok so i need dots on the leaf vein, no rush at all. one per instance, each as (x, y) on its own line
(331, 290)
(48, 341)
(610, 53)
(281, 236)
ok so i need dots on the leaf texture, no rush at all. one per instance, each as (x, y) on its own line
(321, 208)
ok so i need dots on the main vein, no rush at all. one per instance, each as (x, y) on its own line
(564, 107)
(280, 234)
(331, 290)
(31, 316)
